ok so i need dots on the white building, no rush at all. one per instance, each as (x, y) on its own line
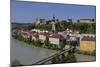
(34, 36)
(39, 31)
(37, 21)
(43, 36)
(26, 34)
(40, 21)
(55, 39)
(35, 30)
(86, 21)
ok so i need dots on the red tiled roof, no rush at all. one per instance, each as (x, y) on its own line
(30, 33)
(27, 33)
(43, 33)
(24, 29)
(86, 38)
(56, 35)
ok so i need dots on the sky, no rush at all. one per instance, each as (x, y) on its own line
(27, 12)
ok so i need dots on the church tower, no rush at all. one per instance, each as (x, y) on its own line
(53, 24)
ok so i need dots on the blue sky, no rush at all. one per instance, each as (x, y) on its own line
(27, 12)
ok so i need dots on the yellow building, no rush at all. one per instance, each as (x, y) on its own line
(88, 44)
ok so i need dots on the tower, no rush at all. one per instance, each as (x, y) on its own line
(53, 24)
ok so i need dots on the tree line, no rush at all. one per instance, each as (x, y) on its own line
(87, 28)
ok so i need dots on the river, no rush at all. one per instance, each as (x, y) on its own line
(28, 55)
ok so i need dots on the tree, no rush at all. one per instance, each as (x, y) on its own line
(70, 58)
(56, 60)
(70, 20)
(46, 42)
(62, 45)
(93, 53)
(38, 42)
(29, 27)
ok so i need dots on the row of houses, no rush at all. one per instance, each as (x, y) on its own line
(86, 42)
(43, 35)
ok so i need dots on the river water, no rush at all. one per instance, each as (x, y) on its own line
(28, 55)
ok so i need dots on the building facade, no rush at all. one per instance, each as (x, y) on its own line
(86, 21)
(56, 39)
(88, 44)
(43, 36)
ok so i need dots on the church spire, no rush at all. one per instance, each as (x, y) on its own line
(53, 18)
(53, 24)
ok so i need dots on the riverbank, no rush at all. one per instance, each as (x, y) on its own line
(84, 58)
(47, 45)
(36, 43)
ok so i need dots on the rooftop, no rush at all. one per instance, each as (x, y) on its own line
(44, 33)
(86, 38)
(56, 35)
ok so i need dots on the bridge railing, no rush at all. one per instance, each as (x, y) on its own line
(43, 61)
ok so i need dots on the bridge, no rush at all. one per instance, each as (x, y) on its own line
(43, 61)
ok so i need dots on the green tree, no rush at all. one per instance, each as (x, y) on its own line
(93, 53)
(62, 44)
(70, 58)
(56, 60)
(38, 42)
